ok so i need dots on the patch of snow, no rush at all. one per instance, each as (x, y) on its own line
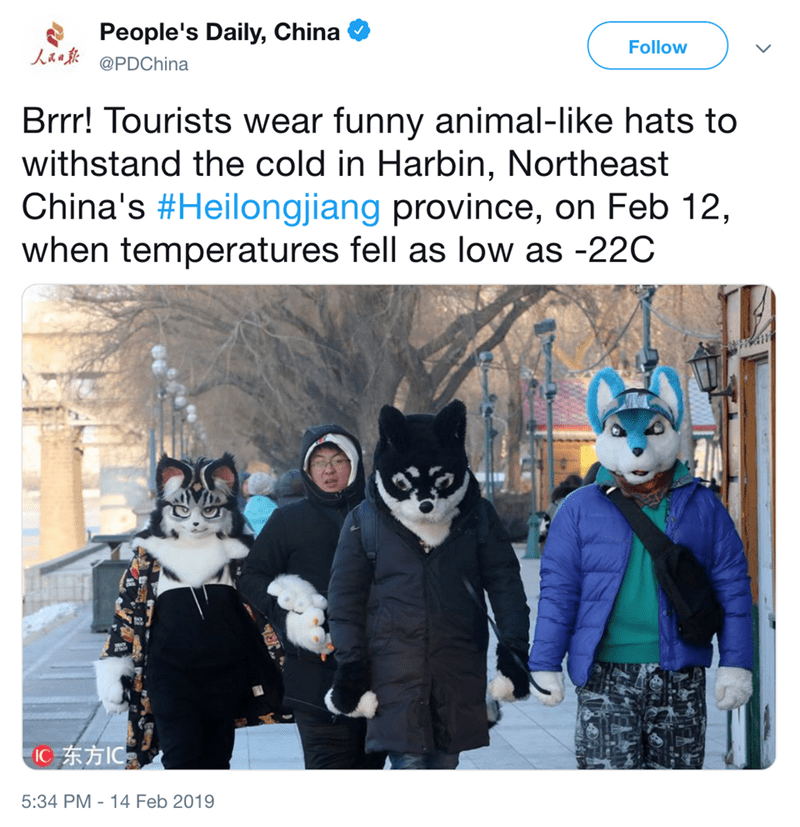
(46, 616)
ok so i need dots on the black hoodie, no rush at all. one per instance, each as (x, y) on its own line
(300, 538)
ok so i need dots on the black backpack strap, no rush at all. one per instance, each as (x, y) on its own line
(368, 518)
(653, 538)
(482, 529)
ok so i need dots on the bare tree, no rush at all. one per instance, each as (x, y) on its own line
(285, 357)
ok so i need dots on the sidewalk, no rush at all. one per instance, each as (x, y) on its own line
(60, 709)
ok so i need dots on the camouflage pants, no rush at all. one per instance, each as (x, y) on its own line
(639, 716)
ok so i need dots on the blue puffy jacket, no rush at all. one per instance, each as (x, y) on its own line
(583, 564)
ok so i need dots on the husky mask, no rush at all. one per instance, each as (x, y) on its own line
(637, 429)
(421, 468)
(196, 500)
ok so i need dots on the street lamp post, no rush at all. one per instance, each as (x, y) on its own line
(191, 418)
(167, 385)
(487, 410)
(546, 330)
(705, 366)
(178, 404)
(647, 357)
(532, 551)
(178, 394)
(159, 368)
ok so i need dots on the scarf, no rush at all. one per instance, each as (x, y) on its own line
(648, 493)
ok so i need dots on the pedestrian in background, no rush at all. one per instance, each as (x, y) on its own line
(286, 577)
(260, 505)
(289, 487)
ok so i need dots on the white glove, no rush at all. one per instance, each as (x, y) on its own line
(109, 673)
(551, 681)
(295, 594)
(305, 630)
(734, 687)
(501, 689)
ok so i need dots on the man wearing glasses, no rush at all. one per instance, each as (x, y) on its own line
(286, 577)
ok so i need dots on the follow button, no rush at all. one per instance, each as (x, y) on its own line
(648, 45)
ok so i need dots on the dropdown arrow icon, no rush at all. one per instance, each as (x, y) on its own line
(762, 50)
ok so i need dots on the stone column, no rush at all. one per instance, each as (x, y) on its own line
(62, 523)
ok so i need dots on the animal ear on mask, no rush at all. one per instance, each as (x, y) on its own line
(169, 468)
(605, 386)
(392, 427)
(451, 422)
(666, 385)
(223, 471)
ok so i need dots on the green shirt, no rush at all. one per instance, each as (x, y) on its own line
(631, 635)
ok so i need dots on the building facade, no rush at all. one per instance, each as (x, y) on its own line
(748, 491)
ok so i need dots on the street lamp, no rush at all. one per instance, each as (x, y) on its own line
(532, 551)
(646, 362)
(705, 365)
(159, 355)
(487, 410)
(647, 357)
(178, 392)
(191, 418)
(546, 331)
(159, 369)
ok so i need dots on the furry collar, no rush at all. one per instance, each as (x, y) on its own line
(193, 563)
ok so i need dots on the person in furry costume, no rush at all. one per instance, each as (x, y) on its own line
(406, 604)
(641, 686)
(185, 657)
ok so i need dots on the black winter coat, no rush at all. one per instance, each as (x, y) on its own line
(410, 616)
(300, 538)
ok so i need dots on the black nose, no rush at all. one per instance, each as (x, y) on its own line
(426, 506)
(637, 452)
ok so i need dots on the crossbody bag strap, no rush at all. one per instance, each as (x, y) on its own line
(653, 538)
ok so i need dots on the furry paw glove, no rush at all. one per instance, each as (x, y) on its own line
(295, 594)
(734, 687)
(306, 631)
(511, 682)
(350, 694)
(109, 674)
(553, 682)
(305, 616)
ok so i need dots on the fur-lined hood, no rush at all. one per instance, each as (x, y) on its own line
(354, 493)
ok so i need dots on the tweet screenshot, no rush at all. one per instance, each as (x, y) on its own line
(399, 391)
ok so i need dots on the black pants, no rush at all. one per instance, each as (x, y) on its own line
(195, 714)
(335, 743)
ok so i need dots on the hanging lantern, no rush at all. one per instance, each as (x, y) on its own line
(705, 365)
